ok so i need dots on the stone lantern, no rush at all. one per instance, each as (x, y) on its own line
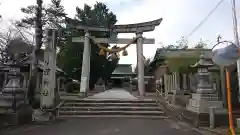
(205, 97)
(13, 97)
(204, 82)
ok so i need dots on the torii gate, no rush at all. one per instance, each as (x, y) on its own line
(137, 28)
(48, 79)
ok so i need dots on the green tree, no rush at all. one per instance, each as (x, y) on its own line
(70, 55)
(200, 45)
(41, 17)
(53, 15)
(180, 45)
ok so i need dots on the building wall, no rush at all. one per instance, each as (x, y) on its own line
(160, 71)
(157, 73)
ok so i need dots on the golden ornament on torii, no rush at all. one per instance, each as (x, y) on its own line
(115, 50)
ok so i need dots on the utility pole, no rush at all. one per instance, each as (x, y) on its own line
(236, 39)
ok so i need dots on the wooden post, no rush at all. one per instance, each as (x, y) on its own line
(37, 83)
(58, 84)
(5, 79)
(223, 87)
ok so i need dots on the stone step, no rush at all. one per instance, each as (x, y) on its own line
(102, 108)
(109, 104)
(110, 108)
(114, 116)
(108, 101)
(5, 110)
(5, 104)
(111, 112)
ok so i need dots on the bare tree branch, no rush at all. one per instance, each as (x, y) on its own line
(14, 42)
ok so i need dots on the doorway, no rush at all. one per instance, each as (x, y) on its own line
(117, 83)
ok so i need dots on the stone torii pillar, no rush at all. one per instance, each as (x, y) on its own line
(137, 28)
(85, 75)
(140, 64)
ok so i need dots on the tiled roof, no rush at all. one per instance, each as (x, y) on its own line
(123, 69)
(40, 65)
(162, 54)
(184, 53)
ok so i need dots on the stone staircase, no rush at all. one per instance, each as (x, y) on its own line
(110, 108)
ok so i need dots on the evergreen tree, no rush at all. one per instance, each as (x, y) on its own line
(40, 17)
(70, 55)
(53, 15)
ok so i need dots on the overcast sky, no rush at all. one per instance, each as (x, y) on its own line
(180, 17)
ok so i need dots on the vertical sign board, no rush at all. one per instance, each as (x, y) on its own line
(49, 72)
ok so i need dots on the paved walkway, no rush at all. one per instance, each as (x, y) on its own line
(114, 94)
(105, 126)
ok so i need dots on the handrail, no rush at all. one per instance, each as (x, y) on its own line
(159, 94)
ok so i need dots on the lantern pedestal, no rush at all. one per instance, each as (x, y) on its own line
(201, 102)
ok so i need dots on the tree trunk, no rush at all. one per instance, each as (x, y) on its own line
(33, 68)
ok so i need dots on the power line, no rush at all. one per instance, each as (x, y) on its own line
(205, 19)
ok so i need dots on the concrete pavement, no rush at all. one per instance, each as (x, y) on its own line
(105, 126)
(113, 94)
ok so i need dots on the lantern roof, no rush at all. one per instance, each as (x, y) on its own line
(203, 62)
